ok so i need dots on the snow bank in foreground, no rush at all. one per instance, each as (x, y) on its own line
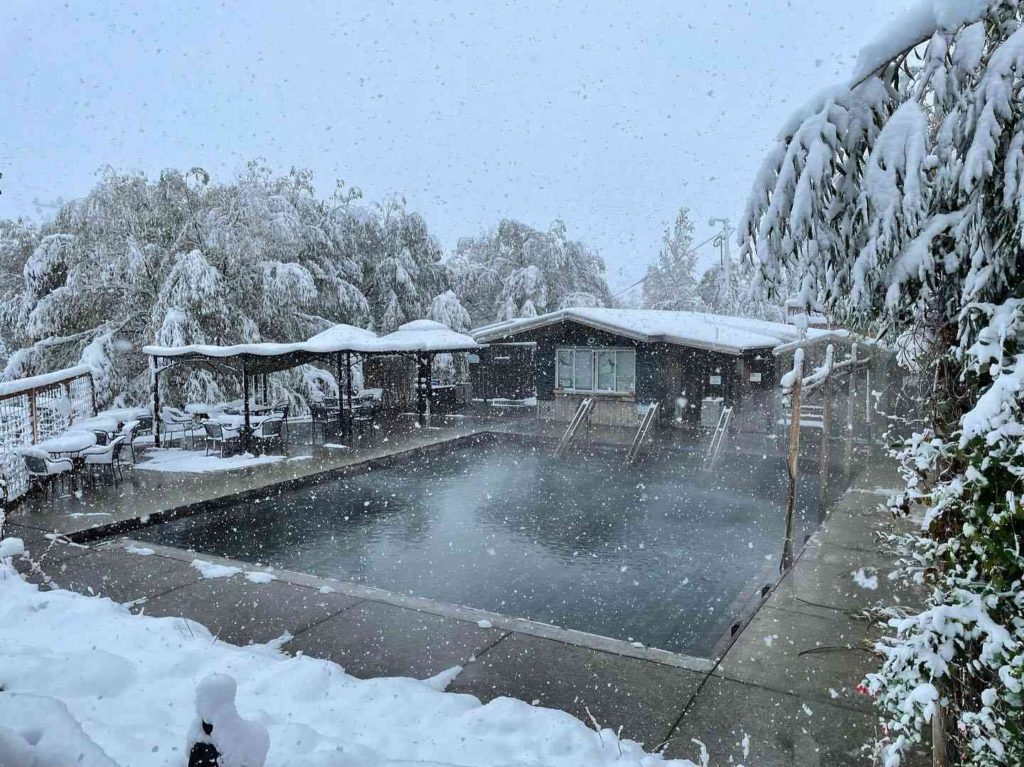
(121, 689)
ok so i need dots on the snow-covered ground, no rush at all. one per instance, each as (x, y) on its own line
(86, 682)
(198, 462)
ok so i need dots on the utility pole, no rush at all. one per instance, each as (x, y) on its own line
(721, 241)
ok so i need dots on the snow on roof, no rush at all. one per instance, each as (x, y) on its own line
(22, 385)
(417, 336)
(425, 336)
(341, 335)
(722, 333)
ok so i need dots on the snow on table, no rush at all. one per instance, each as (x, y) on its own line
(69, 442)
(99, 422)
(198, 462)
(236, 422)
(87, 672)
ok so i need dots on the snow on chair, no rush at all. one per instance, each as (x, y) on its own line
(44, 470)
(175, 420)
(106, 456)
(220, 436)
(270, 433)
(128, 432)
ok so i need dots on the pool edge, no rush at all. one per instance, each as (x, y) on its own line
(463, 613)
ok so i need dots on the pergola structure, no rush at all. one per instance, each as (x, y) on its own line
(421, 340)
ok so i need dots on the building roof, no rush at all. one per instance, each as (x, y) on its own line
(715, 332)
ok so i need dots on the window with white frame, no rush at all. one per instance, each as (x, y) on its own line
(580, 368)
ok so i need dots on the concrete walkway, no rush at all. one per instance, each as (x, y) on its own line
(787, 683)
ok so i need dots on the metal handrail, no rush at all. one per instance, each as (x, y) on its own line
(577, 420)
(645, 427)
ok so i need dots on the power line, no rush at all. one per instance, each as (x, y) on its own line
(642, 279)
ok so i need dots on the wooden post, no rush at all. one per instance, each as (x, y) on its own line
(246, 420)
(154, 377)
(33, 415)
(867, 405)
(851, 392)
(826, 442)
(793, 460)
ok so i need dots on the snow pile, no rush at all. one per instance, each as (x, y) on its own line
(129, 684)
(865, 580)
(198, 462)
(239, 742)
(214, 570)
(39, 731)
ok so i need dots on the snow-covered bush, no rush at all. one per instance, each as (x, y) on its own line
(898, 200)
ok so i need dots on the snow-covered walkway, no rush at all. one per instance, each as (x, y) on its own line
(84, 677)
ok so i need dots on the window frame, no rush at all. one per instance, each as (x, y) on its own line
(593, 352)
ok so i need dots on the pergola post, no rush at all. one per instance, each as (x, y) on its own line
(851, 392)
(246, 421)
(793, 459)
(422, 377)
(826, 440)
(430, 386)
(154, 380)
(342, 431)
(348, 394)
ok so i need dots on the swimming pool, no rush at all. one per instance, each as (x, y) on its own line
(660, 553)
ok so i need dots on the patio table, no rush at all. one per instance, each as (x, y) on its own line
(70, 442)
(106, 423)
(237, 421)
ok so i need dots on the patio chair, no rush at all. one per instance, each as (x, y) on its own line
(100, 456)
(175, 420)
(220, 436)
(321, 417)
(45, 472)
(284, 409)
(269, 434)
(128, 431)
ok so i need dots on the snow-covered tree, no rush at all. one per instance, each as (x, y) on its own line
(517, 271)
(671, 283)
(449, 311)
(741, 300)
(403, 269)
(898, 200)
(184, 260)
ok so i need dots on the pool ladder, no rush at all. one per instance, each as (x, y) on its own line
(582, 413)
(715, 448)
(641, 434)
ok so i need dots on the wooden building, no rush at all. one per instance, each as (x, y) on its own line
(691, 363)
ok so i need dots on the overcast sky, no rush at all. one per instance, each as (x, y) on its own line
(607, 115)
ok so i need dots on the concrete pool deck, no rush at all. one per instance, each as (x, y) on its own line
(788, 680)
(143, 494)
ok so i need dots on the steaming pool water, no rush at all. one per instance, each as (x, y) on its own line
(660, 552)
